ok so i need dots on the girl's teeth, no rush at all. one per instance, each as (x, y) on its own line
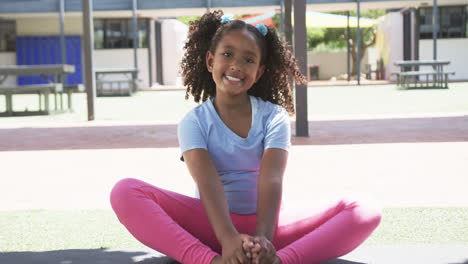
(232, 78)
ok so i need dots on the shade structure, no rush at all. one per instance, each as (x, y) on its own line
(325, 20)
(266, 19)
(319, 20)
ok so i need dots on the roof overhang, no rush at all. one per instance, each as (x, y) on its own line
(175, 8)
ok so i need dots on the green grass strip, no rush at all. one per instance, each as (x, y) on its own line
(43, 230)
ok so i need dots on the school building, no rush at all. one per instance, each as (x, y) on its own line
(30, 33)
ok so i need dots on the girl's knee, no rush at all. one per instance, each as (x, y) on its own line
(122, 189)
(366, 211)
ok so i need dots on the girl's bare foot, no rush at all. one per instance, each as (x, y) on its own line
(217, 260)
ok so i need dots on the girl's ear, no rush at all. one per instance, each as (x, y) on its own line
(260, 71)
(209, 61)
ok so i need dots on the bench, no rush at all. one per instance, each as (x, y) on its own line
(41, 90)
(411, 73)
(439, 79)
(446, 74)
(113, 85)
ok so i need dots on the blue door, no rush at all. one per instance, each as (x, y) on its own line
(46, 50)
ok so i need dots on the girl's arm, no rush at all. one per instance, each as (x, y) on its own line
(214, 201)
(270, 186)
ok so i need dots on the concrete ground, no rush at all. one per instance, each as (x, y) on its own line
(401, 162)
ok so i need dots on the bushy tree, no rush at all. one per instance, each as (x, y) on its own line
(186, 19)
(337, 37)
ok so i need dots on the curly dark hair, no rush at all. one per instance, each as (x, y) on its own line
(280, 64)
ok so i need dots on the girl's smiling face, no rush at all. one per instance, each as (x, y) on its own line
(235, 64)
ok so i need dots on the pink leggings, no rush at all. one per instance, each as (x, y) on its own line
(177, 226)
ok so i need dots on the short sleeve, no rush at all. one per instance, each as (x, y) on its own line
(278, 130)
(190, 134)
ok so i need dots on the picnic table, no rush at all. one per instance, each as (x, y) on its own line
(107, 83)
(53, 73)
(412, 76)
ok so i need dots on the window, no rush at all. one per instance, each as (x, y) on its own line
(466, 21)
(118, 33)
(452, 21)
(7, 35)
(98, 34)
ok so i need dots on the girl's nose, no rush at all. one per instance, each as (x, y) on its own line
(234, 67)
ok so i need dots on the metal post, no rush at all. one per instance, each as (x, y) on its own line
(282, 18)
(416, 35)
(358, 40)
(208, 5)
(63, 46)
(287, 21)
(300, 51)
(358, 37)
(88, 41)
(150, 32)
(135, 40)
(348, 57)
(435, 27)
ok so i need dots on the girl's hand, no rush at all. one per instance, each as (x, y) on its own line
(233, 249)
(263, 251)
(248, 245)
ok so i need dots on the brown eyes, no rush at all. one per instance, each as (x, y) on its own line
(229, 54)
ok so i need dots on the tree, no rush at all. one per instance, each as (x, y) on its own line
(336, 37)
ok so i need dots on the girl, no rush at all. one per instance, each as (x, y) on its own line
(235, 145)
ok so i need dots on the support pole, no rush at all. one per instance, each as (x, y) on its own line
(348, 54)
(287, 21)
(358, 40)
(435, 27)
(135, 41)
(416, 35)
(282, 18)
(208, 6)
(63, 46)
(300, 51)
(88, 40)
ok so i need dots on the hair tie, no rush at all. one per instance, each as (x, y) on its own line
(226, 18)
(262, 29)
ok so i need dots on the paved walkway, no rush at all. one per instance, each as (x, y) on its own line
(399, 161)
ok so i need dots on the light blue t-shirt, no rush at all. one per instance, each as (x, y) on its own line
(236, 159)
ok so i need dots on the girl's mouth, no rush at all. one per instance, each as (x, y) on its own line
(234, 79)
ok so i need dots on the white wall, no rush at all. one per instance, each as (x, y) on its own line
(453, 50)
(114, 58)
(123, 58)
(108, 58)
(8, 58)
(332, 64)
(390, 41)
(48, 26)
(174, 35)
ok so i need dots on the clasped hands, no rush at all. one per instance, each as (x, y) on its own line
(251, 250)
